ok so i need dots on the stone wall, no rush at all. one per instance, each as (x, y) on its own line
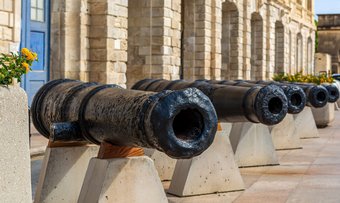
(69, 40)
(123, 41)
(10, 25)
(154, 33)
(329, 38)
(323, 62)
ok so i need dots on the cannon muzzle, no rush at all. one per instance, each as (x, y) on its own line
(333, 92)
(316, 95)
(267, 105)
(295, 95)
(180, 123)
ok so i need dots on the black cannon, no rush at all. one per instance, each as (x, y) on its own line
(333, 92)
(267, 105)
(317, 95)
(295, 95)
(180, 123)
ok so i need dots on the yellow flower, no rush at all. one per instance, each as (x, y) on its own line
(29, 55)
(26, 66)
(25, 51)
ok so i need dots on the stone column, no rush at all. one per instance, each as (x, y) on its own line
(69, 39)
(216, 28)
(197, 39)
(108, 41)
(154, 33)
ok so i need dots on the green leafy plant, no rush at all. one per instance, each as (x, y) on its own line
(14, 65)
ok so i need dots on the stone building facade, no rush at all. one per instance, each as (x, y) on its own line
(123, 41)
(10, 25)
(329, 38)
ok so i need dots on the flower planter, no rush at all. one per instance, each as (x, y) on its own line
(15, 176)
(324, 116)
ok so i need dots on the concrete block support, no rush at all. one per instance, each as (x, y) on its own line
(284, 136)
(253, 145)
(336, 106)
(324, 116)
(15, 176)
(164, 164)
(62, 173)
(305, 124)
(131, 179)
(213, 171)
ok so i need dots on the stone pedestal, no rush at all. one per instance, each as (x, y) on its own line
(284, 136)
(253, 145)
(336, 106)
(132, 179)
(213, 171)
(15, 176)
(62, 173)
(165, 165)
(305, 126)
(324, 116)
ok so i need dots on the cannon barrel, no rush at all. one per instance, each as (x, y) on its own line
(296, 97)
(333, 92)
(267, 105)
(180, 123)
(317, 95)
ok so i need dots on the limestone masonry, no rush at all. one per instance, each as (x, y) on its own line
(329, 38)
(123, 41)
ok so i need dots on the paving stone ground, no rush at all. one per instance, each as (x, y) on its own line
(307, 175)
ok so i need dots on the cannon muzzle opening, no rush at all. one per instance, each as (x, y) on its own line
(275, 105)
(188, 124)
(271, 105)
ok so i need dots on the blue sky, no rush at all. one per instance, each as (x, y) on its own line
(327, 6)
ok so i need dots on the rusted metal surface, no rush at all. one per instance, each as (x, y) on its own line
(180, 123)
(267, 105)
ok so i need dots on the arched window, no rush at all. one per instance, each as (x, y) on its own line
(309, 5)
(256, 60)
(230, 21)
(279, 47)
(299, 53)
(310, 56)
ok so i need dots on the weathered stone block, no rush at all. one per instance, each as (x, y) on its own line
(15, 175)
(213, 171)
(132, 179)
(284, 136)
(252, 145)
(63, 172)
(324, 116)
(305, 124)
